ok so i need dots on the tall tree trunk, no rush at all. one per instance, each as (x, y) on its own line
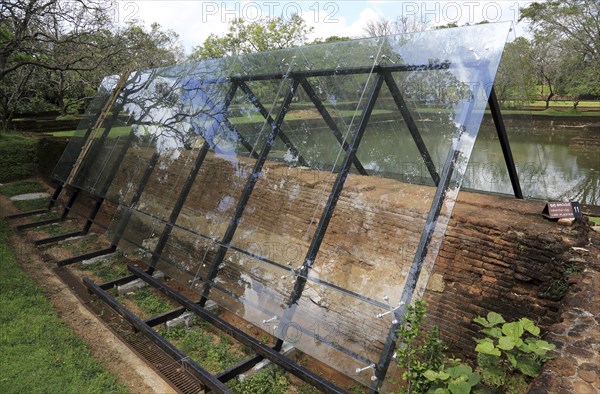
(550, 95)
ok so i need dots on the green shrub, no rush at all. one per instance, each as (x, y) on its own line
(18, 157)
(510, 353)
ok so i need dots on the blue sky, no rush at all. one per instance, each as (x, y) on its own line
(194, 20)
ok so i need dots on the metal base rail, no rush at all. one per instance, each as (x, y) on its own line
(87, 256)
(214, 384)
(25, 214)
(26, 226)
(57, 238)
(262, 351)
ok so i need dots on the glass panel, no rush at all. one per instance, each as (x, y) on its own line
(71, 152)
(237, 201)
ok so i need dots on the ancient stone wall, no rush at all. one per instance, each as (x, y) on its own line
(499, 253)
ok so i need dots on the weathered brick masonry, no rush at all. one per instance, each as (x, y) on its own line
(498, 254)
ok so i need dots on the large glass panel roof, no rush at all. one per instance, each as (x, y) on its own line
(306, 190)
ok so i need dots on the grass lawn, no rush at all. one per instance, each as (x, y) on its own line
(38, 352)
(114, 132)
(21, 187)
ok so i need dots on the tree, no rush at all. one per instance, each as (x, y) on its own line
(384, 26)
(259, 36)
(55, 52)
(516, 77)
(330, 39)
(567, 45)
(40, 39)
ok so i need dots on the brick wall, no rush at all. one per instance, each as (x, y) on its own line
(498, 254)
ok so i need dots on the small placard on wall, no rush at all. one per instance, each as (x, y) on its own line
(559, 210)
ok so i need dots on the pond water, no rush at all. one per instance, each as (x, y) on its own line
(548, 168)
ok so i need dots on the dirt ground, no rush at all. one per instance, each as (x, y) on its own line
(127, 367)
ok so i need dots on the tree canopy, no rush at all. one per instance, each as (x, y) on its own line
(258, 36)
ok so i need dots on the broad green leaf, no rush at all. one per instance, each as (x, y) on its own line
(459, 370)
(506, 343)
(540, 347)
(431, 375)
(438, 390)
(487, 348)
(494, 332)
(482, 321)
(528, 366)
(443, 375)
(462, 387)
(474, 378)
(529, 326)
(513, 330)
(495, 318)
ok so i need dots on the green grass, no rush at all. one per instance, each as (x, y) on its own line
(149, 302)
(595, 220)
(21, 187)
(215, 352)
(109, 269)
(39, 353)
(268, 381)
(18, 157)
(31, 205)
(114, 132)
(82, 245)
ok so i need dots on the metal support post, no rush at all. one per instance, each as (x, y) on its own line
(503, 137)
(330, 205)
(263, 111)
(412, 126)
(416, 267)
(248, 188)
(330, 122)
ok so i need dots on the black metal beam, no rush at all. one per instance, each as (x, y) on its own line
(341, 71)
(117, 282)
(258, 347)
(248, 188)
(330, 122)
(163, 318)
(57, 238)
(263, 111)
(503, 137)
(122, 225)
(70, 203)
(26, 226)
(87, 256)
(329, 208)
(25, 214)
(228, 124)
(90, 219)
(416, 267)
(241, 367)
(412, 126)
(203, 375)
(187, 186)
(260, 308)
(55, 195)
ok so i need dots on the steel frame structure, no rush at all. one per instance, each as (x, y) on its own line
(382, 76)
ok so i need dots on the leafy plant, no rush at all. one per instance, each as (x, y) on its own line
(510, 352)
(415, 354)
(268, 381)
(458, 379)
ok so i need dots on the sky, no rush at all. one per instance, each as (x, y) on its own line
(194, 20)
